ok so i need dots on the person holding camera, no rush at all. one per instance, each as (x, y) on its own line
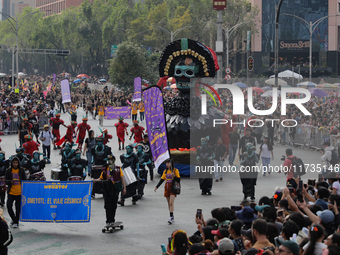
(169, 174)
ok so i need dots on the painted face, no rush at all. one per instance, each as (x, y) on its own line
(184, 72)
(100, 143)
(36, 156)
(2, 156)
(139, 148)
(67, 147)
(204, 142)
(78, 156)
(111, 161)
(128, 150)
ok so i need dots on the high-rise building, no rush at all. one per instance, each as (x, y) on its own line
(51, 7)
(294, 36)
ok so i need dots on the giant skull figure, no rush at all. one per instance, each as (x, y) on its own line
(187, 60)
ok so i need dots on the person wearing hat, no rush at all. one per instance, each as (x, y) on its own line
(225, 247)
(30, 146)
(121, 128)
(14, 176)
(81, 130)
(220, 233)
(112, 183)
(137, 131)
(46, 137)
(247, 216)
(55, 122)
(169, 174)
(288, 247)
(70, 132)
(106, 136)
(24, 129)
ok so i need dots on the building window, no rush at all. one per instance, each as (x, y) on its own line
(338, 6)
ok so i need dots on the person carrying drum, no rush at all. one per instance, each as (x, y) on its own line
(36, 167)
(4, 164)
(77, 165)
(100, 152)
(112, 183)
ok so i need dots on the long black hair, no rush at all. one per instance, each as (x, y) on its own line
(172, 164)
(316, 232)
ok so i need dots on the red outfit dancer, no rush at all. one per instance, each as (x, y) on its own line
(30, 146)
(69, 134)
(121, 129)
(138, 131)
(55, 122)
(81, 129)
(106, 136)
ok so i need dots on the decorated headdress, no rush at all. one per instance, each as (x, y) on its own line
(28, 137)
(73, 123)
(85, 118)
(184, 48)
(121, 118)
(135, 122)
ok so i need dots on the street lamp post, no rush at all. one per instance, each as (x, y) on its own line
(171, 33)
(277, 18)
(15, 26)
(311, 28)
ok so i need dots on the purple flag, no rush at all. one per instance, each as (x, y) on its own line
(137, 94)
(54, 77)
(65, 91)
(115, 112)
(155, 124)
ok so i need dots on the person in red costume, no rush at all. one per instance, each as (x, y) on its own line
(121, 127)
(106, 136)
(81, 129)
(55, 122)
(137, 131)
(70, 132)
(30, 146)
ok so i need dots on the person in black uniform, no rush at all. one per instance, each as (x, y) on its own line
(245, 140)
(205, 157)
(112, 183)
(66, 154)
(4, 164)
(147, 151)
(77, 165)
(36, 165)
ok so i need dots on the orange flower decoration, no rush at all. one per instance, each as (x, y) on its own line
(275, 196)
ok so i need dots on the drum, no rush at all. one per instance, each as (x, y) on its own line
(55, 174)
(38, 176)
(129, 176)
(96, 171)
(3, 187)
(75, 178)
(27, 172)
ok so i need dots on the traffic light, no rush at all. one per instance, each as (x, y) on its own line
(250, 63)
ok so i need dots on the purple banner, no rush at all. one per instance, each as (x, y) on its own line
(65, 91)
(155, 124)
(115, 112)
(137, 94)
(54, 77)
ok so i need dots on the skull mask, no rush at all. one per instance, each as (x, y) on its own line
(184, 71)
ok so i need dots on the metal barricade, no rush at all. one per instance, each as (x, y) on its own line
(313, 137)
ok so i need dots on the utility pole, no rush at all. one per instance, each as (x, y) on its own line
(277, 18)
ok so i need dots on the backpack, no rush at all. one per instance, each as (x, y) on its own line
(335, 159)
(298, 166)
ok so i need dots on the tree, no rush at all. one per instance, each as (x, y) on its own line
(129, 63)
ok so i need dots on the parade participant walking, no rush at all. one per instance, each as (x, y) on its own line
(77, 165)
(143, 160)
(221, 154)
(134, 111)
(70, 132)
(233, 145)
(100, 109)
(36, 167)
(90, 143)
(6, 237)
(14, 176)
(30, 146)
(249, 175)
(4, 164)
(266, 153)
(130, 159)
(205, 157)
(245, 140)
(106, 136)
(137, 131)
(46, 137)
(25, 128)
(112, 183)
(55, 122)
(141, 109)
(169, 174)
(100, 152)
(121, 128)
(35, 125)
(81, 130)
(147, 151)
(66, 154)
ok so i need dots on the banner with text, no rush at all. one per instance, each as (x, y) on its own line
(155, 124)
(56, 201)
(115, 112)
(65, 91)
(137, 94)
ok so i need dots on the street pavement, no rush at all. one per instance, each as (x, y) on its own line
(145, 224)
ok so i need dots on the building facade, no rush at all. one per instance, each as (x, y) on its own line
(294, 36)
(51, 7)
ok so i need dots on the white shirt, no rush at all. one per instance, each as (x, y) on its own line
(336, 185)
(48, 137)
(265, 152)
